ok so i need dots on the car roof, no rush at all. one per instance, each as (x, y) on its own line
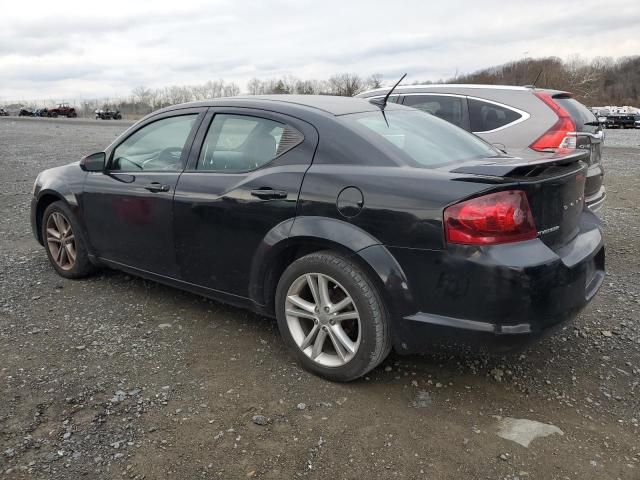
(329, 104)
(456, 87)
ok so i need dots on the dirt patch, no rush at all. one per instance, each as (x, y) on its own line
(117, 377)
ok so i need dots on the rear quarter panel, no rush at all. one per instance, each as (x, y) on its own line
(402, 206)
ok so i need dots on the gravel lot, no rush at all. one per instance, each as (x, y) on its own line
(117, 377)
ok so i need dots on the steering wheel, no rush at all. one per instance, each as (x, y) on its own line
(170, 154)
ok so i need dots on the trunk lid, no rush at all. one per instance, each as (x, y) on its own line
(554, 185)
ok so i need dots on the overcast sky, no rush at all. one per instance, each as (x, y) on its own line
(70, 50)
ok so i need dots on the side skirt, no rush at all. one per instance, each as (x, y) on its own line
(217, 295)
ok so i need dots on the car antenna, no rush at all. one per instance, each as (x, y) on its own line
(383, 103)
(533, 85)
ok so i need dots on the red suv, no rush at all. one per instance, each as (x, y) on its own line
(63, 110)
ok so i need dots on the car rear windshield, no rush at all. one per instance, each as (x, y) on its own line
(419, 138)
(580, 114)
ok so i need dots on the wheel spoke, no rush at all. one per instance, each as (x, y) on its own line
(341, 337)
(308, 340)
(337, 346)
(58, 222)
(323, 286)
(67, 226)
(70, 237)
(342, 304)
(303, 304)
(300, 313)
(345, 316)
(71, 252)
(53, 234)
(313, 287)
(318, 344)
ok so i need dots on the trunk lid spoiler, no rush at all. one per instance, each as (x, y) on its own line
(524, 165)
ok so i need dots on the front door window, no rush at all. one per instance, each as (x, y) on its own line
(157, 146)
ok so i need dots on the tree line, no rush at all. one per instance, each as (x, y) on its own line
(145, 100)
(597, 82)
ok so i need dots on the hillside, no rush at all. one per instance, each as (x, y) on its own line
(602, 81)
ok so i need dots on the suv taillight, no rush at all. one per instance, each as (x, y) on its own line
(562, 134)
(495, 218)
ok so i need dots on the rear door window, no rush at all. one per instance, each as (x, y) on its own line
(487, 116)
(239, 143)
(446, 107)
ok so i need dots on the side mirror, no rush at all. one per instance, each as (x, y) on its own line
(94, 162)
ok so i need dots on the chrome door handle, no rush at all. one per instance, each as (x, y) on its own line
(268, 193)
(157, 187)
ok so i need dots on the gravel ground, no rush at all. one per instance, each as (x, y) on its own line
(117, 377)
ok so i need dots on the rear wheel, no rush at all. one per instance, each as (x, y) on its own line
(64, 243)
(332, 316)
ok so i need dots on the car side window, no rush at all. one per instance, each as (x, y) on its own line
(156, 146)
(446, 107)
(239, 143)
(485, 116)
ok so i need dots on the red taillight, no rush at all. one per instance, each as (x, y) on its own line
(562, 134)
(500, 217)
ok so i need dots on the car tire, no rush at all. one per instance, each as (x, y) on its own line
(365, 320)
(64, 242)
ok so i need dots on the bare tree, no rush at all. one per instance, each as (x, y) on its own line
(255, 87)
(374, 81)
(346, 84)
(142, 93)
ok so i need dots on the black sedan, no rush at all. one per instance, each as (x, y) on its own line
(357, 225)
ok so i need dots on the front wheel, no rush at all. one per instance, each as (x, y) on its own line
(333, 317)
(64, 242)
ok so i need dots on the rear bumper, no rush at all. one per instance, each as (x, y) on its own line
(594, 190)
(596, 201)
(506, 289)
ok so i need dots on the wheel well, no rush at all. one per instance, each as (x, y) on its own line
(44, 201)
(304, 247)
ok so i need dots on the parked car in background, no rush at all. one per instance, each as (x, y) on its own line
(358, 226)
(63, 110)
(620, 120)
(522, 120)
(636, 123)
(108, 114)
(3, 113)
(26, 112)
(41, 112)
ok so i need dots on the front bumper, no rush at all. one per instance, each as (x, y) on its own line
(34, 220)
(518, 288)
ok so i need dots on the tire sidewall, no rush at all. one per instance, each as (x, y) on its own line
(369, 317)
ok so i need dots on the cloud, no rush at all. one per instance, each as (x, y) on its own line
(110, 47)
